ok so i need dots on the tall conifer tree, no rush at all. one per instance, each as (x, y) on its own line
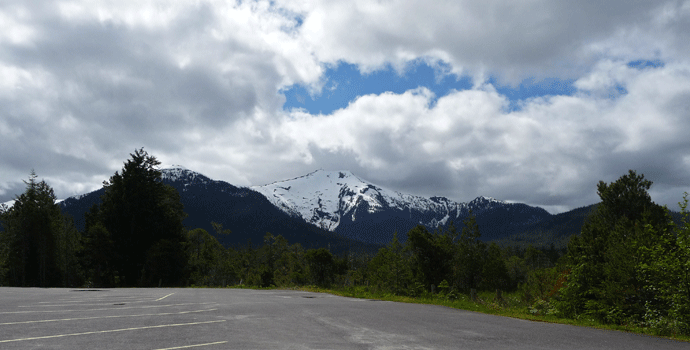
(143, 218)
(39, 244)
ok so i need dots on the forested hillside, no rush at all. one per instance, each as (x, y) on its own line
(245, 212)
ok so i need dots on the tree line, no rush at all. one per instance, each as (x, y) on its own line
(629, 265)
(135, 237)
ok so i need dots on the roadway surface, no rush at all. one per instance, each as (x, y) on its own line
(206, 319)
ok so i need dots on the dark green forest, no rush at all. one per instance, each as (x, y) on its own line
(630, 264)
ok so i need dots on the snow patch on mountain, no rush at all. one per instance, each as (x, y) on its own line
(79, 196)
(10, 204)
(175, 173)
(319, 197)
(323, 198)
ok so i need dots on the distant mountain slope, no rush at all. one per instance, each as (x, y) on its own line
(341, 202)
(339, 209)
(79, 205)
(248, 214)
(556, 229)
(503, 221)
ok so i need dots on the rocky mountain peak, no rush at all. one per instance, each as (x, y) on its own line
(174, 173)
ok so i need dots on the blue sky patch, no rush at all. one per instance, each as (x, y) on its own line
(344, 83)
(530, 88)
(642, 64)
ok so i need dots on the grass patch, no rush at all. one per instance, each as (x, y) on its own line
(511, 305)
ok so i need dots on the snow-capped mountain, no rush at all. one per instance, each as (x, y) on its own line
(248, 214)
(333, 207)
(324, 198)
(341, 202)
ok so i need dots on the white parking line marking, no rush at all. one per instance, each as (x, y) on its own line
(102, 309)
(97, 301)
(97, 317)
(110, 331)
(101, 299)
(165, 297)
(103, 302)
(194, 346)
(86, 300)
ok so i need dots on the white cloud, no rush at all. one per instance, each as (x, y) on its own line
(513, 40)
(13, 27)
(84, 83)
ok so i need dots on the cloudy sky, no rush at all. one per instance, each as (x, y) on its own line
(530, 101)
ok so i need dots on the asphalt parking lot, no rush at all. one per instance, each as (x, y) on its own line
(34, 318)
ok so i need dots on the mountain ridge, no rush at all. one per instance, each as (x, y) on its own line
(341, 202)
(358, 212)
(291, 196)
(246, 213)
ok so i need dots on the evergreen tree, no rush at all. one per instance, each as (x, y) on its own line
(280, 258)
(389, 268)
(143, 217)
(517, 270)
(321, 265)
(269, 255)
(606, 279)
(69, 247)
(536, 259)
(468, 261)
(432, 254)
(245, 258)
(292, 266)
(494, 271)
(4, 246)
(99, 258)
(209, 262)
(39, 244)
(675, 261)
(667, 277)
